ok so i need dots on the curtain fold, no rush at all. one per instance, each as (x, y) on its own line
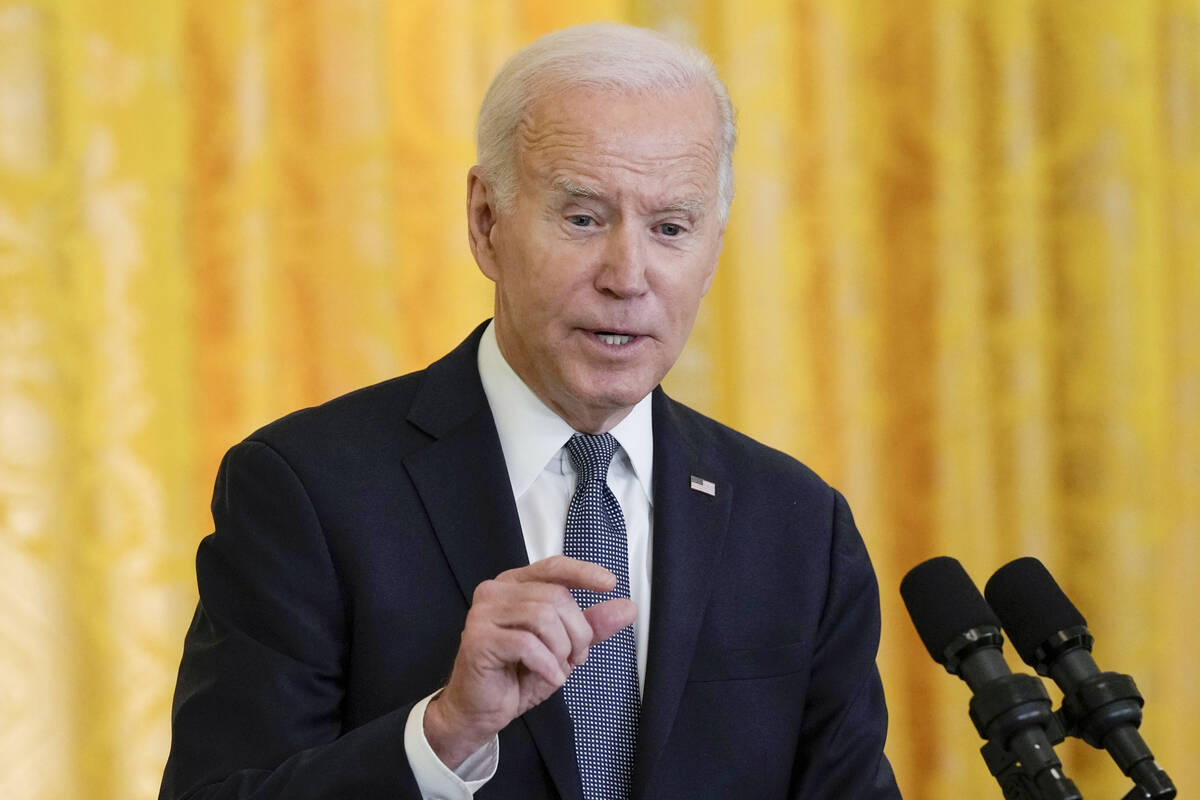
(961, 281)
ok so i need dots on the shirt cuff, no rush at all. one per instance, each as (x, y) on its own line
(437, 781)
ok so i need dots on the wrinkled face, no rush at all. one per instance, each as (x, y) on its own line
(611, 241)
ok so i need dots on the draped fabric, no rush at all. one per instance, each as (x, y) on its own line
(961, 281)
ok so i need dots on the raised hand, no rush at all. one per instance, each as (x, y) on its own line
(523, 636)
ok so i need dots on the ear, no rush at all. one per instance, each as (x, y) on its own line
(481, 221)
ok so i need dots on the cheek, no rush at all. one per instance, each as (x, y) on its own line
(540, 301)
(558, 283)
(682, 295)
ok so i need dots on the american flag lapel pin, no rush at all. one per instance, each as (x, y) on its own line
(706, 486)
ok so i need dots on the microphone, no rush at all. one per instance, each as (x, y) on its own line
(1102, 708)
(1011, 712)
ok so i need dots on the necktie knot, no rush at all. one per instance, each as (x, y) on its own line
(591, 455)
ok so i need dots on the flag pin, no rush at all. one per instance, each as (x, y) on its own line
(702, 485)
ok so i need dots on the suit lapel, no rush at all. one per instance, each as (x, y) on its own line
(462, 480)
(689, 531)
(463, 484)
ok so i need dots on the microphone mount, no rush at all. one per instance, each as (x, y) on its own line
(1012, 713)
(1104, 709)
(1004, 708)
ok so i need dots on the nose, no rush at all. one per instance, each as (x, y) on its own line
(622, 272)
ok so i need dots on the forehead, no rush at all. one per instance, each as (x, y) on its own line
(663, 142)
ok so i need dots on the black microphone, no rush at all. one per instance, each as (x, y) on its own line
(1012, 712)
(1102, 708)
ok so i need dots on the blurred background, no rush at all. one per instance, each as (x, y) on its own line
(961, 281)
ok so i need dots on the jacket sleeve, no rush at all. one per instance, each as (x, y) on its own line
(257, 709)
(840, 750)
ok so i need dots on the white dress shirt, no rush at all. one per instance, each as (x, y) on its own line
(543, 481)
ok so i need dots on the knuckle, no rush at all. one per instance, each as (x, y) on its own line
(560, 646)
(527, 641)
(472, 630)
(510, 574)
(557, 562)
(545, 617)
(484, 591)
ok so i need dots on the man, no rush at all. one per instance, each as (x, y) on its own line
(454, 522)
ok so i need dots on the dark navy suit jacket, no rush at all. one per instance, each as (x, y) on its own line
(350, 537)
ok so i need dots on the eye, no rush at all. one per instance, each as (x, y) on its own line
(670, 229)
(580, 220)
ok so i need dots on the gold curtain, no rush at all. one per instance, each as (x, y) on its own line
(962, 281)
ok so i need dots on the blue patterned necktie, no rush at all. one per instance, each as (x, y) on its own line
(601, 693)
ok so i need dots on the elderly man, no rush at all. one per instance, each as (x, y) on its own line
(525, 572)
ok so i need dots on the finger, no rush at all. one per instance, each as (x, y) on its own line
(610, 616)
(511, 646)
(547, 610)
(561, 625)
(578, 629)
(564, 571)
(561, 628)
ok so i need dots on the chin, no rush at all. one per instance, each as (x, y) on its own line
(617, 399)
(607, 391)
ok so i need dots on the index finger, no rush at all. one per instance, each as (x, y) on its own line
(573, 573)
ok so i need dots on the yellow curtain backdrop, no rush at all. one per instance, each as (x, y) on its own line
(962, 281)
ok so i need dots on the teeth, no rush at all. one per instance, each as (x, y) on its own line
(615, 338)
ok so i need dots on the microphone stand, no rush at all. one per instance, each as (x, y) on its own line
(1000, 711)
(1105, 710)
(1014, 700)
(1012, 713)
(1007, 709)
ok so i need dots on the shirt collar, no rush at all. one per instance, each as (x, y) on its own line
(531, 434)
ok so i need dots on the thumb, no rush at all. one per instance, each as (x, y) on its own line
(610, 616)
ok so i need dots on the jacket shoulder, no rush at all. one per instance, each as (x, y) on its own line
(399, 413)
(344, 421)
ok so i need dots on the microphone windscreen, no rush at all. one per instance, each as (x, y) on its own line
(943, 603)
(1031, 605)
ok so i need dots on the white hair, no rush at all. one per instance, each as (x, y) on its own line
(601, 56)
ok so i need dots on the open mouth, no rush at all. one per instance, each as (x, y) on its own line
(614, 338)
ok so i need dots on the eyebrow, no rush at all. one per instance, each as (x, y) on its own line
(574, 189)
(691, 205)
